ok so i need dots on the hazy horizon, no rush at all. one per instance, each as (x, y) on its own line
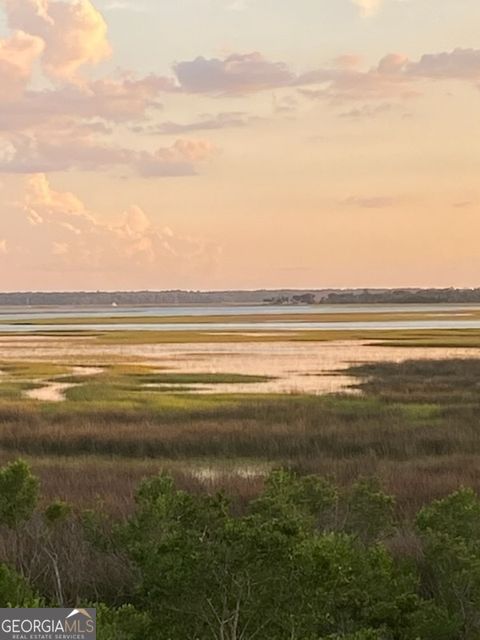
(253, 290)
(238, 145)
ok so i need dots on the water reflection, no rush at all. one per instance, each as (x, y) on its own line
(315, 368)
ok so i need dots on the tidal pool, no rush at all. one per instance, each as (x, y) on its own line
(315, 368)
(54, 391)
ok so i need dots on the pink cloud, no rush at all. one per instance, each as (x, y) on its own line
(54, 230)
(206, 122)
(74, 33)
(114, 100)
(236, 74)
(394, 76)
(180, 159)
(81, 148)
(457, 64)
(348, 61)
(372, 202)
(71, 124)
(369, 111)
(18, 54)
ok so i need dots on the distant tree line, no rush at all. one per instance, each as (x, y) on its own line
(302, 298)
(261, 296)
(403, 296)
(109, 298)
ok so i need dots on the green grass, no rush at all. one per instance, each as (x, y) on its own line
(33, 370)
(418, 413)
(14, 391)
(138, 387)
(255, 318)
(136, 380)
(386, 338)
(394, 337)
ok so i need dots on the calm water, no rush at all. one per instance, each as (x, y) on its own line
(437, 321)
(314, 368)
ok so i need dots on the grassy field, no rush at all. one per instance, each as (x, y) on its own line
(415, 427)
(384, 337)
(255, 318)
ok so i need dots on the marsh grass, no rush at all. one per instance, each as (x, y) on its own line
(255, 318)
(416, 427)
(32, 370)
(391, 337)
(138, 380)
(454, 381)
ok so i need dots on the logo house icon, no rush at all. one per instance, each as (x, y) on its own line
(76, 612)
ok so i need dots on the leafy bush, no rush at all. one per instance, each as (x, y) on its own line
(451, 573)
(273, 573)
(124, 623)
(18, 493)
(306, 561)
(14, 591)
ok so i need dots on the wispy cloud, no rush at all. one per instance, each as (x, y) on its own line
(205, 122)
(371, 202)
(53, 230)
(125, 5)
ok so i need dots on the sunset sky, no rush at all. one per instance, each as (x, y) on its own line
(215, 144)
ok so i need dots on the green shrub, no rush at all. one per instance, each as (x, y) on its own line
(125, 623)
(450, 529)
(18, 493)
(14, 590)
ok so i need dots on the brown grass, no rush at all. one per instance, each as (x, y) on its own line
(416, 427)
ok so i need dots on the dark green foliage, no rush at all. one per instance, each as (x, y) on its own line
(124, 623)
(369, 511)
(274, 573)
(306, 561)
(14, 591)
(18, 493)
(366, 634)
(307, 500)
(57, 512)
(451, 533)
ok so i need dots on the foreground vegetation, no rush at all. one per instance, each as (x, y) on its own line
(305, 560)
(245, 517)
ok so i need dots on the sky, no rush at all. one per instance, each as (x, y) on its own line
(239, 144)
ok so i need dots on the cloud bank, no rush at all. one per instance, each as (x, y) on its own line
(55, 231)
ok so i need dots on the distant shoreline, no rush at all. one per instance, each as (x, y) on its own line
(284, 297)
